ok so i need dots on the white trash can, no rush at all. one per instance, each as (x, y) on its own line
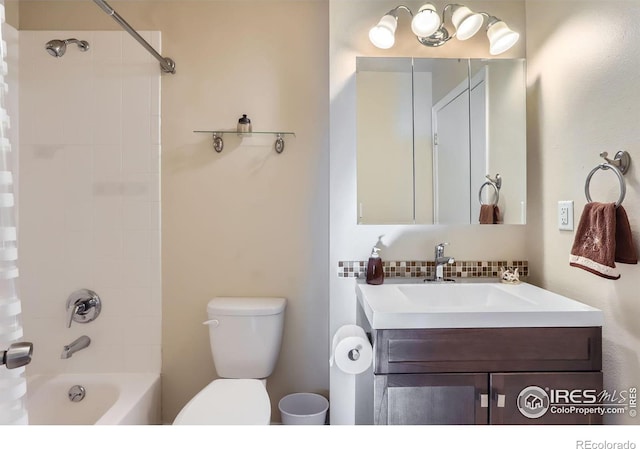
(303, 409)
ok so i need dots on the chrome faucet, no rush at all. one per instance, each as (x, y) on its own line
(83, 306)
(440, 261)
(75, 346)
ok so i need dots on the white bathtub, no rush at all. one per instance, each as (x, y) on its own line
(119, 398)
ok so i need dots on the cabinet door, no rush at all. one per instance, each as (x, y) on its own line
(544, 398)
(431, 399)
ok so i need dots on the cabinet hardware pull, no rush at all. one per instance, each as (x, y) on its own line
(484, 400)
(501, 398)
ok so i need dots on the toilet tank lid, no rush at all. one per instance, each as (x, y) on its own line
(246, 306)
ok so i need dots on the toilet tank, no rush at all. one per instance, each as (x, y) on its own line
(245, 334)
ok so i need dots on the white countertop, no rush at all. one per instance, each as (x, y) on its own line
(419, 305)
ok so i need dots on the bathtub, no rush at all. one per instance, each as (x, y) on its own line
(118, 398)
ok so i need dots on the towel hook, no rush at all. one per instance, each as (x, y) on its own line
(621, 160)
(496, 183)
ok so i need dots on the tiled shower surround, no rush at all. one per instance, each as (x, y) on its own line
(424, 269)
(89, 199)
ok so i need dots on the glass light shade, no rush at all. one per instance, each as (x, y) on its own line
(383, 34)
(501, 38)
(426, 21)
(466, 22)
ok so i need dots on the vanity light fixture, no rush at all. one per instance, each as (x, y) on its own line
(429, 27)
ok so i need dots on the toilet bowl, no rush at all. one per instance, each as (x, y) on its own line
(245, 335)
(228, 402)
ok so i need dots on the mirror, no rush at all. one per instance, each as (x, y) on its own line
(436, 138)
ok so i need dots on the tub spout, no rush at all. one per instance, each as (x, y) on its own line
(75, 346)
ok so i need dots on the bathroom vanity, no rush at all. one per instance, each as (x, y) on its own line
(478, 353)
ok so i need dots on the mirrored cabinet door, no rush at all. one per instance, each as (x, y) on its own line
(431, 133)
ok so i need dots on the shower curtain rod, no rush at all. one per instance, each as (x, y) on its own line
(166, 64)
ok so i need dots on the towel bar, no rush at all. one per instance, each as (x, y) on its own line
(496, 184)
(618, 173)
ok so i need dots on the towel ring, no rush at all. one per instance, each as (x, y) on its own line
(606, 166)
(495, 187)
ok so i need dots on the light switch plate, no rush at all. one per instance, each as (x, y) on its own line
(565, 215)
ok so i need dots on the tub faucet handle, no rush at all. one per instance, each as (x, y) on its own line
(75, 309)
(83, 306)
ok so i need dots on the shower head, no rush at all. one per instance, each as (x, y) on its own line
(57, 47)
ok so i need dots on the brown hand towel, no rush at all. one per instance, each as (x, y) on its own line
(602, 238)
(625, 248)
(489, 214)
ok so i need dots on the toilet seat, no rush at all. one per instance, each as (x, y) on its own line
(228, 401)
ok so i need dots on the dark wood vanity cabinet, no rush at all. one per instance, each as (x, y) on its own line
(481, 376)
(430, 399)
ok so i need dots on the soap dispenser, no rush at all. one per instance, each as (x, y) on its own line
(375, 272)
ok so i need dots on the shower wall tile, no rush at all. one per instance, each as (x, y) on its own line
(133, 52)
(136, 215)
(136, 158)
(106, 47)
(136, 129)
(107, 210)
(90, 198)
(142, 330)
(136, 95)
(136, 273)
(137, 245)
(143, 298)
(107, 163)
(155, 216)
(155, 128)
(107, 242)
(78, 216)
(138, 357)
(155, 156)
(107, 273)
(156, 256)
(154, 185)
(107, 104)
(75, 112)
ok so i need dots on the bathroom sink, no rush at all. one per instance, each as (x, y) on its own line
(463, 297)
(470, 305)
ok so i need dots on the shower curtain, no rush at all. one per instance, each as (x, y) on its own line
(13, 384)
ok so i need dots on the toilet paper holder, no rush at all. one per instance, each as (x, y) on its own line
(351, 349)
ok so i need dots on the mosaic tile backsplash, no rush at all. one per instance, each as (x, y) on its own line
(423, 269)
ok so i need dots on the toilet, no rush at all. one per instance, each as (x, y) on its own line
(245, 334)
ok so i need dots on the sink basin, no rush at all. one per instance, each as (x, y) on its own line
(462, 297)
(470, 305)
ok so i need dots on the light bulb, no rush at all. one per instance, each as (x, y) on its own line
(466, 22)
(383, 34)
(501, 37)
(426, 21)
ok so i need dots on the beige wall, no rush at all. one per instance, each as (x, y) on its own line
(246, 221)
(12, 12)
(583, 98)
